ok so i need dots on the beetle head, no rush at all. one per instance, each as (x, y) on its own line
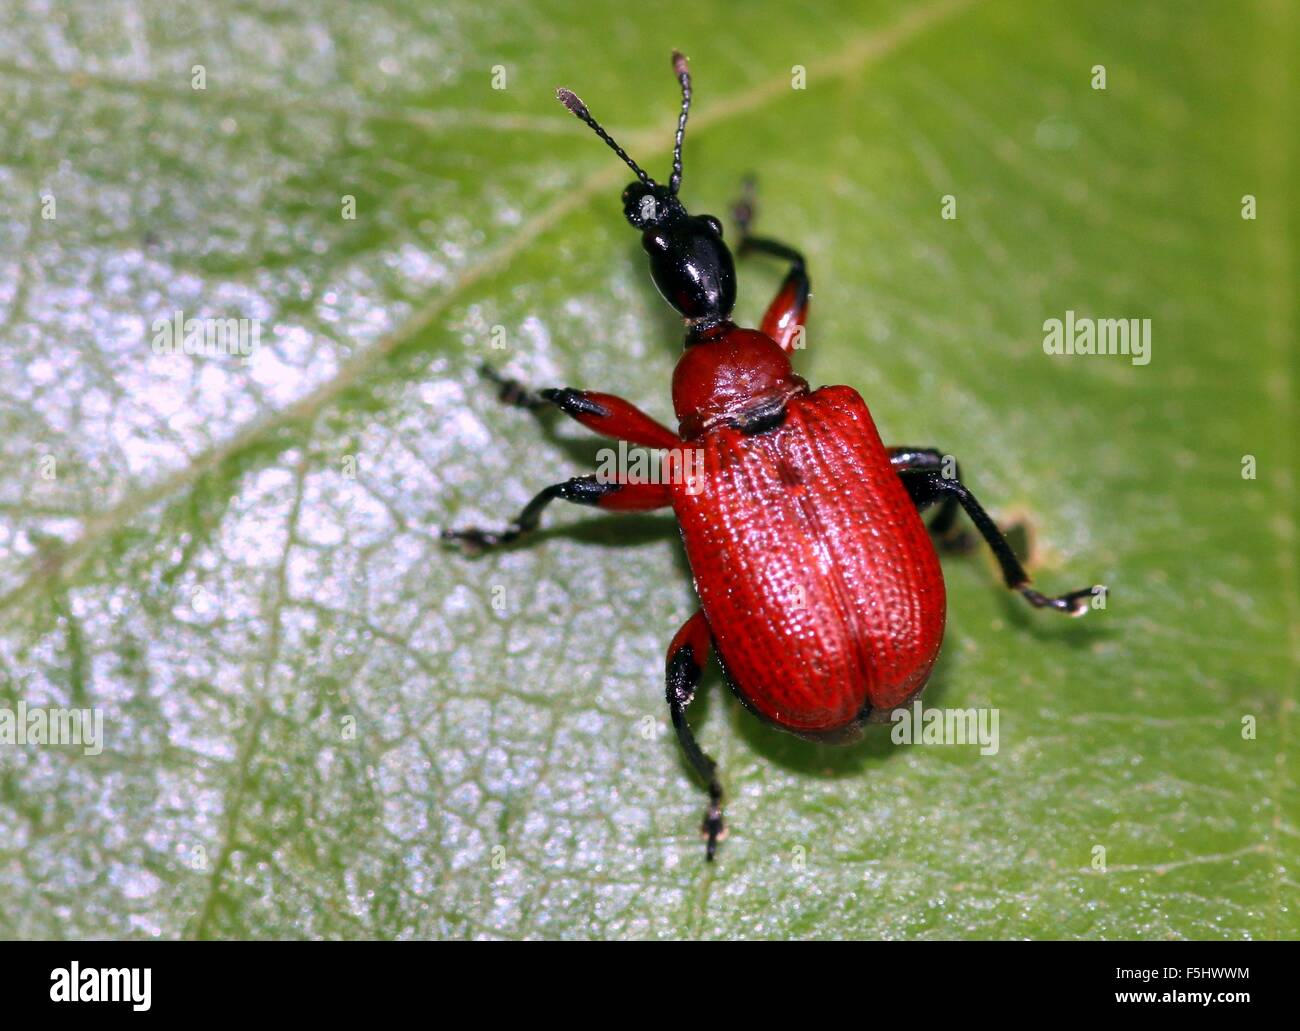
(690, 264)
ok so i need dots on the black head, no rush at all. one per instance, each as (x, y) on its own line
(689, 262)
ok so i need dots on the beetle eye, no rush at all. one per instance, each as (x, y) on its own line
(714, 224)
(649, 208)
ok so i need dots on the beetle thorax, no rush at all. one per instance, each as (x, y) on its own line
(726, 375)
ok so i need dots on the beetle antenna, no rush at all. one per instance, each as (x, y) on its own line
(570, 100)
(683, 74)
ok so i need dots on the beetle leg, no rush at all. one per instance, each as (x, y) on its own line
(926, 486)
(687, 654)
(785, 316)
(611, 416)
(607, 414)
(512, 392)
(581, 490)
(943, 522)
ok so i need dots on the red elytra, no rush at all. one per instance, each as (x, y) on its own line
(819, 584)
(814, 570)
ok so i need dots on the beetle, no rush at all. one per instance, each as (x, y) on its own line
(819, 584)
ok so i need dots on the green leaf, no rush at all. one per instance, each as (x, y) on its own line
(319, 722)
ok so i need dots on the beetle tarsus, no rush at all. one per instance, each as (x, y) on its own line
(512, 392)
(1076, 603)
(714, 826)
(786, 316)
(473, 541)
(745, 209)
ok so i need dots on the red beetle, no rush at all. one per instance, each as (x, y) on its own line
(819, 585)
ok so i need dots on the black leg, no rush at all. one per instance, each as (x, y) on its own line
(766, 245)
(786, 315)
(687, 654)
(943, 522)
(512, 392)
(581, 490)
(926, 487)
(571, 402)
(606, 414)
(744, 212)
